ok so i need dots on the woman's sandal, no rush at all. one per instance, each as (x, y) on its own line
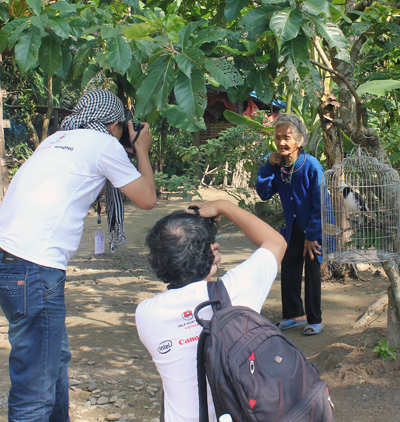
(285, 324)
(311, 329)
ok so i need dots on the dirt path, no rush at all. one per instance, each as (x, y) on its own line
(112, 375)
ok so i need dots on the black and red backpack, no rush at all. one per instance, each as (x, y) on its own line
(256, 374)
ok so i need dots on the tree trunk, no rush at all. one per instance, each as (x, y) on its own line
(373, 312)
(353, 122)
(34, 137)
(333, 138)
(50, 108)
(393, 323)
(226, 174)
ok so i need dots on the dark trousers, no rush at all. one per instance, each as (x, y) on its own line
(291, 281)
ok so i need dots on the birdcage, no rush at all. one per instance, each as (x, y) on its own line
(360, 201)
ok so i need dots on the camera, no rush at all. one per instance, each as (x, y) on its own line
(125, 140)
(208, 220)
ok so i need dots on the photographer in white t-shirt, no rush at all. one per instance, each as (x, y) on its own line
(183, 254)
(41, 224)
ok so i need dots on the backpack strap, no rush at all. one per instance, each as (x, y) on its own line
(217, 291)
(219, 298)
(202, 380)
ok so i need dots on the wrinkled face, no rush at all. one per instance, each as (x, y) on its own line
(285, 143)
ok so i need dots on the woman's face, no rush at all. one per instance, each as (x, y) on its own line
(286, 144)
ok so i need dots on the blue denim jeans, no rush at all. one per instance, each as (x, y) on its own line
(32, 299)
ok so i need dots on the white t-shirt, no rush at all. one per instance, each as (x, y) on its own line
(167, 327)
(41, 216)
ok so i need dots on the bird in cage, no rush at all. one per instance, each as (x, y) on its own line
(352, 200)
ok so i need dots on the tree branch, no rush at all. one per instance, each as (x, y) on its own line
(394, 278)
(321, 52)
(350, 87)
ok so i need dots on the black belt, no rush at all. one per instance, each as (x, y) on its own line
(9, 258)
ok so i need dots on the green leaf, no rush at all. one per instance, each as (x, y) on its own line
(196, 55)
(263, 86)
(178, 118)
(151, 85)
(131, 3)
(379, 87)
(82, 58)
(187, 32)
(292, 73)
(5, 32)
(359, 28)
(238, 119)
(35, 5)
(313, 85)
(297, 48)
(184, 63)
(17, 7)
(140, 31)
(78, 23)
(286, 23)
(50, 55)
(209, 34)
(63, 6)
(333, 35)
(26, 51)
(337, 14)
(256, 21)
(166, 81)
(66, 61)
(316, 7)
(4, 15)
(191, 94)
(92, 70)
(233, 8)
(119, 54)
(134, 73)
(230, 49)
(108, 32)
(16, 34)
(60, 27)
(223, 72)
(265, 2)
(40, 21)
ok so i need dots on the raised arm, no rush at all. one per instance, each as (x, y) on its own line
(258, 231)
(142, 191)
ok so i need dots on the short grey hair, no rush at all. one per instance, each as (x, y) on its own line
(298, 129)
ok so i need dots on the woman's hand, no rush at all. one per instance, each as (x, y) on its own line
(275, 159)
(312, 248)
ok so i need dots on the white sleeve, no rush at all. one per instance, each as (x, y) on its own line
(249, 283)
(114, 164)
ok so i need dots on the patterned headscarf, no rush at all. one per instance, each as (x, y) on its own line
(94, 111)
(295, 121)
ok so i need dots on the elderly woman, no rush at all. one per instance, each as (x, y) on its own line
(296, 176)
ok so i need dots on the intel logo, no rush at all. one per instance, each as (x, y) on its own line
(164, 347)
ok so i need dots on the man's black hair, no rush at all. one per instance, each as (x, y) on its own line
(179, 246)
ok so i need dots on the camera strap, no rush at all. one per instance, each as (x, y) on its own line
(99, 234)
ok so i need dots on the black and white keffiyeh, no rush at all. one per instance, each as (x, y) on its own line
(95, 110)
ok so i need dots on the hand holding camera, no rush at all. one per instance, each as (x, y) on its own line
(131, 134)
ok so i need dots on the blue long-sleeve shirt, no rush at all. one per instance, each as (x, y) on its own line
(301, 198)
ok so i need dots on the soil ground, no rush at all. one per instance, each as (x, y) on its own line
(112, 376)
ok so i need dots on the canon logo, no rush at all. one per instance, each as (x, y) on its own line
(188, 340)
(164, 347)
